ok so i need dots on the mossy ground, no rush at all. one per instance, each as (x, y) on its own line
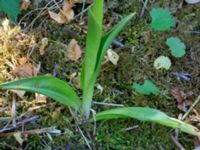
(142, 46)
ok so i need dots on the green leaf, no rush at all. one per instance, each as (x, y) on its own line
(46, 85)
(162, 19)
(108, 38)
(11, 8)
(162, 62)
(147, 88)
(94, 33)
(149, 115)
(176, 46)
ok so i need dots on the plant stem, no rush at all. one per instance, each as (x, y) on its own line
(192, 106)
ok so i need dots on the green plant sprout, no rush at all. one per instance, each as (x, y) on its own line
(96, 46)
(176, 46)
(162, 20)
(11, 8)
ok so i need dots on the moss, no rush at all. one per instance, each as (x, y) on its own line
(142, 46)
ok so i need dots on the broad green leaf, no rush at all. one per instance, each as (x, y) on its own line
(162, 19)
(109, 37)
(11, 8)
(149, 115)
(162, 62)
(176, 46)
(147, 88)
(46, 85)
(94, 33)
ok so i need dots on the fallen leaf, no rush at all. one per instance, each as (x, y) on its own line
(23, 60)
(73, 51)
(182, 98)
(40, 98)
(75, 79)
(19, 93)
(24, 71)
(43, 45)
(162, 62)
(25, 4)
(18, 138)
(65, 15)
(56, 17)
(112, 56)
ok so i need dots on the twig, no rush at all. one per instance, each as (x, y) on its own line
(13, 111)
(34, 132)
(82, 12)
(108, 104)
(144, 7)
(177, 143)
(191, 107)
(19, 124)
(79, 129)
(131, 128)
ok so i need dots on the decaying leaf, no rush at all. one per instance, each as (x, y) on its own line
(23, 60)
(75, 79)
(40, 99)
(24, 71)
(73, 51)
(162, 62)
(182, 98)
(65, 15)
(18, 138)
(19, 93)
(43, 45)
(112, 56)
(25, 4)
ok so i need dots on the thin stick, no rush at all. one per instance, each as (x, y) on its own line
(33, 132)
(82, 11)
(144, 7)
(81, 132)
(191, 107)
(177, 143)
(19, 124)
(108, 104)
(131, 128)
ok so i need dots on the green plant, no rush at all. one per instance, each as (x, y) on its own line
(176, 46)
(96, 47)
(11, 8)
(162, 19)
(147, 88)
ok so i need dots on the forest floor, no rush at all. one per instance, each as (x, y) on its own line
(137, 46)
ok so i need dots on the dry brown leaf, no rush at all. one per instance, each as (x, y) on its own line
(19, 93)
(181, 98)
(24, 71)
(25, 4)
(65, 15)
(112, 56)
(73, 50)
(40, 99)
(56, 17)
(23, 60)
(44, 43)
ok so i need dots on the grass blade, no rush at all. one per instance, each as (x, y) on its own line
(46, 85)
(150, 115)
